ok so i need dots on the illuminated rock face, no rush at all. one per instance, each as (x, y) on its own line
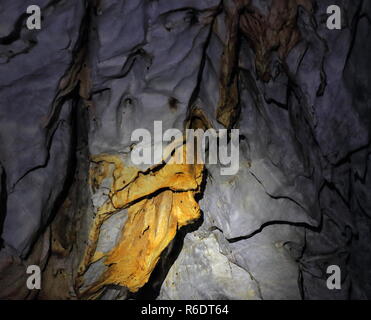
(160, 201)
(99, 226)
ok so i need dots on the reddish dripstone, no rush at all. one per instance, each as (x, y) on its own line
(275, 32)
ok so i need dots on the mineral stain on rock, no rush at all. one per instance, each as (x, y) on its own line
(159, 202)
(269, 33)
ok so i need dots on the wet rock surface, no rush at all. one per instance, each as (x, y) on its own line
(72, 93)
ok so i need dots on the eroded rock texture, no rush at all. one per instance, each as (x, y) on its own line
(72, 202)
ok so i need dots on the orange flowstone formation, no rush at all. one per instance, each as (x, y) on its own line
(159, 201)
(152, 224)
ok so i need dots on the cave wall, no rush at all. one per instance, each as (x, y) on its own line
(72, 201)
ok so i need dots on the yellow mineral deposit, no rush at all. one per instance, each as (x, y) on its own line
(159, 201)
